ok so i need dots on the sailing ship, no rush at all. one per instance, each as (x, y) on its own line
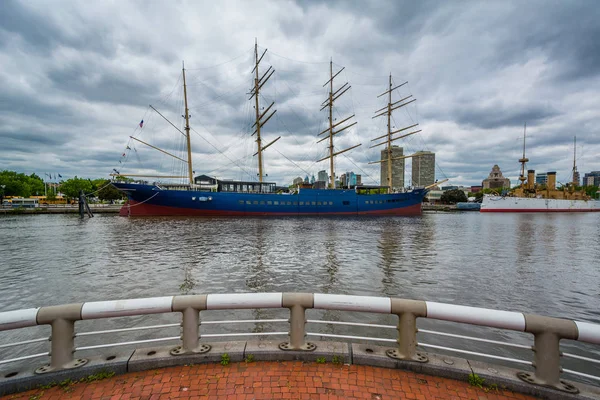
(531, 197)
(211, 197)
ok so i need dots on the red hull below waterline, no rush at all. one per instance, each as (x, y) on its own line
(135, 209)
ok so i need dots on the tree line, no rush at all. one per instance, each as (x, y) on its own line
(21, 185)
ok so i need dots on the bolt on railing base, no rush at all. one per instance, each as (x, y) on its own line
(305, 347)
(80, 362)
(563, 386)
(396, 354)
(180, 351)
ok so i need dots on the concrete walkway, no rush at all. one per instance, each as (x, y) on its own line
(269, 380)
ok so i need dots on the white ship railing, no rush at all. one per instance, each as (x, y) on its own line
(547, 332)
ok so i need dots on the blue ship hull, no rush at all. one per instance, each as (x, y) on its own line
(152, 200)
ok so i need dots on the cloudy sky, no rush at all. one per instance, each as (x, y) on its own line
(77, 77)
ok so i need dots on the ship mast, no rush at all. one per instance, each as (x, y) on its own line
(387, 111)
(523, 160)
(255, 92)
(333, 96)
(187, 129)
(575, 180)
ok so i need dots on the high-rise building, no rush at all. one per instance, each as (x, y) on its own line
(358, 180)
(322, 176)
(541, 178)
(312, 179)
(349, 179)
(423, 169)
(397, 168)
(593, 177)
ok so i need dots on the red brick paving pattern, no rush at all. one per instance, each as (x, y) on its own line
(270, 380)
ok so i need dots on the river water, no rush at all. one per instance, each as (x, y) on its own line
(533, 263)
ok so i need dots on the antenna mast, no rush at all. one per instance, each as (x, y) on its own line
(255, 91)
(187, 129)
(524, 159)
(333, 96)
(575, 178)
(387, 110)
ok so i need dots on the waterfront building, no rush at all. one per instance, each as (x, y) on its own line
(592, 178)
(397, 168)
(476, 189)
(541, 178)
(496, 180)
(349, 179)
(358, 180)
(322, 176)
(298, 181)
(434, 196)
(423, 169)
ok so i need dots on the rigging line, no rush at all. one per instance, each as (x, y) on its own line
(359, 168)
(292, 161)
(223, 63)
(166, 97)
(232, 92)
(300, 61)
(224, 155)
(364, 76)
(89, 194)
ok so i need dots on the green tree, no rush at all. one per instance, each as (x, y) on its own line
(71, 187)
(19, 184)
(106, 191)
(453, 196)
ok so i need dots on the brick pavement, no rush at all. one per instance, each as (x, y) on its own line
(269, 380)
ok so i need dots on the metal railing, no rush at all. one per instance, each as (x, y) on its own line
(547, 332)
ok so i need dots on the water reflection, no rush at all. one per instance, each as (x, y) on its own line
(330, 246)
(391, 252)
(257, 274)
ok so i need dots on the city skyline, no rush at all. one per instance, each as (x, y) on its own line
(77, 81)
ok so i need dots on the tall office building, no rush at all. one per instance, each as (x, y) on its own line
(397, 168)
(322, 176)
(541, 178)
(423, 169)
(592, 178)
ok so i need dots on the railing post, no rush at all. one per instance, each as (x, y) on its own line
(547, 333)
(297, 303)
(190, 307)
(407, 312)
(62, 320)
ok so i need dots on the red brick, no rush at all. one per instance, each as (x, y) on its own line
(286, 380)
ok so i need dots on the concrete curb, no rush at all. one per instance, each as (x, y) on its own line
(347, 353)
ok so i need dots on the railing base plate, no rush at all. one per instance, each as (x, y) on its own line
(564, 386)
(180, 351)
(286, 346)
(395, 353)
(80, 362)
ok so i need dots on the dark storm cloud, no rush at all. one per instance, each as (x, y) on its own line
(498, 116)
(77, 78)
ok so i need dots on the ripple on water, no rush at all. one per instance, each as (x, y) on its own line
(529, 263)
